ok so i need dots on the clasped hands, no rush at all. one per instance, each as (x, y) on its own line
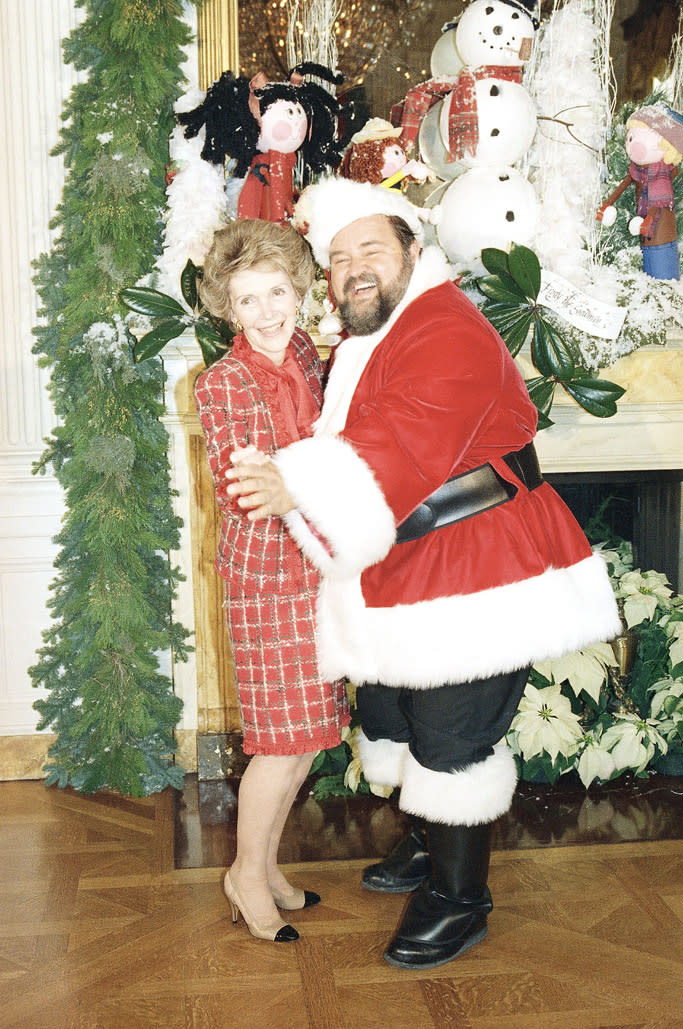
(259, 487)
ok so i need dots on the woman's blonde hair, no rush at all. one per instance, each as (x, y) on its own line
(242, 245)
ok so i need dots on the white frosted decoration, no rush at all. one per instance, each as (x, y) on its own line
(569, 80)
(486, 207)
(445, 59)
(491, 32)
(310, 33)
(506, 118)
(196, 205)
(674, 80)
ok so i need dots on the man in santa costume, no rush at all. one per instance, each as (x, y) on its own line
(448, 565)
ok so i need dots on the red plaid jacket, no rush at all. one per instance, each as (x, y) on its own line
(238, 405)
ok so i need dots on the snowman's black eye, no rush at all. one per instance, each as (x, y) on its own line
(509, 216)
(495, 132)
(515, 15)
(494, 91)
(489, 10)
(503, 178)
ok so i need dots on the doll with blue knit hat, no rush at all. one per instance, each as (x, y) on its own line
(654, 145)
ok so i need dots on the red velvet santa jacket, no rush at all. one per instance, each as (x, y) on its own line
(433, 394)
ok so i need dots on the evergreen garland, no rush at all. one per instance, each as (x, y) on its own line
(111, 708)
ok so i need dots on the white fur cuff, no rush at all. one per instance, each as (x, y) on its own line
(382, 760)
(480, 793)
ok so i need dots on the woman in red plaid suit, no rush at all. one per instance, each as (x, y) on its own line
(264, 394)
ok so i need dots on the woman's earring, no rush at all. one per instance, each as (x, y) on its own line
(238, 325)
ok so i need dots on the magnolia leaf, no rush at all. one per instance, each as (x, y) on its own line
(503, 315)
(525, 270)
(502, 289)
(495, 261)
(597, 396)
(516, 334)
(541, 391)
(188, 284)
(151, 302)
(152, 342)
(549, 351)
(211, 343)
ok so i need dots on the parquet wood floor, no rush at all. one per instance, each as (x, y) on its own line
(98, 930)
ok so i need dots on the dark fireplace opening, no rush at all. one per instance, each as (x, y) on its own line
(643, 507)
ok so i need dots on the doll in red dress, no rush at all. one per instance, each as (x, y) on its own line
(263, 126)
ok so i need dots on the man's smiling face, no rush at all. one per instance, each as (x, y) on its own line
(369, 272)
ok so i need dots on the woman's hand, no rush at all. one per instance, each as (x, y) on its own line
(259, 487)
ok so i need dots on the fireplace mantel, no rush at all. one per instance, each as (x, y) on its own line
(645, 434)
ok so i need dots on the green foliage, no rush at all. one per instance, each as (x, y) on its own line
(651, 664)
(511, 304)
(214, 336)
(112, 709)
(329, 769)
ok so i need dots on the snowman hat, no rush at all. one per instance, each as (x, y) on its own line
(328, 206)
(664, 120)
(529, 7)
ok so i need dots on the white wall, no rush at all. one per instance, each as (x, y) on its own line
(33, 87)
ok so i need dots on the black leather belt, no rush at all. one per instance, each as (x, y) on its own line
(470, 494)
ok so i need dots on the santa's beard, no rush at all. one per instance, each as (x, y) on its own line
(362, 319)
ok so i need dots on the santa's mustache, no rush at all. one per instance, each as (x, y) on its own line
(360, 280)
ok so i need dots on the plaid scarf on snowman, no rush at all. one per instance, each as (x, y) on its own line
(463, 120)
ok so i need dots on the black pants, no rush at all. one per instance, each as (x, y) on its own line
(448, 727)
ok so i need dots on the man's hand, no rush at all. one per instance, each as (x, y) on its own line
(260, 489)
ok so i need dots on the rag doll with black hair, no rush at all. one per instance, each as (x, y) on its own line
(262, 126)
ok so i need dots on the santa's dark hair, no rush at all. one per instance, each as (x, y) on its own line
(232, 129)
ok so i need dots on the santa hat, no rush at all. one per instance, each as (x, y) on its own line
(328, 206)
(665, 121)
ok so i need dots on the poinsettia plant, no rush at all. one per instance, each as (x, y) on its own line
(170, 319)
(511, 304)
(587, 712)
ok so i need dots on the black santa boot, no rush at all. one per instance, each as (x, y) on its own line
(447, 914)
(405, 868)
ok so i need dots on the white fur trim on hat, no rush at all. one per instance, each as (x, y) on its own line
(328, 206)
(479, 793)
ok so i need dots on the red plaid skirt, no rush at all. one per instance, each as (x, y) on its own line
(285, 706)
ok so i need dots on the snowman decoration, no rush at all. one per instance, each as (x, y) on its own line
(474, 120)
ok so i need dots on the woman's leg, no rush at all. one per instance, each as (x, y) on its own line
(265, 786)
(279, 885)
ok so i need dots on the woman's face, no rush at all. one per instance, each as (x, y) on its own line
(265, 302)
